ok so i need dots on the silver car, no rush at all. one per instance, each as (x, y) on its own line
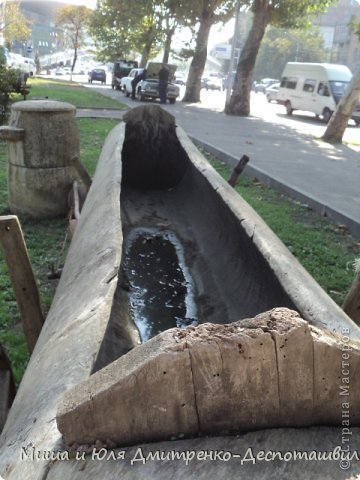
(272, 92)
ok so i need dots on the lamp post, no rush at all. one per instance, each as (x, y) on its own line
(298, 44)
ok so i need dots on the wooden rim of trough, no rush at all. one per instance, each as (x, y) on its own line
(69, 342)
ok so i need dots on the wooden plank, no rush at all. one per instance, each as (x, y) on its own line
(238, 170)
(22, 278)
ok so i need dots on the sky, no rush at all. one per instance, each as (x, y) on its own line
(87, 3)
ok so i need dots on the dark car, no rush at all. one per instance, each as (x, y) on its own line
(121, 68)
(211, 83)
(97, 75)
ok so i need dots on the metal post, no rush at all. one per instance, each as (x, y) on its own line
(232, 54)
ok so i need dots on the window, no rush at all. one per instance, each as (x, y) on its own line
(323, 89)
(309, 85)
(289, 82)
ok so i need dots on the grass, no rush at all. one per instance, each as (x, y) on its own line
(326, 251)
(70, 92)
(46, 244)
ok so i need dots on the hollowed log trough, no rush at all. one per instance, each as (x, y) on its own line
(90, 381)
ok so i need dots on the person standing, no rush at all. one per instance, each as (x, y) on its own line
(163, 83)
(135, 81)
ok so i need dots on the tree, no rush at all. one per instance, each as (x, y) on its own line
(121, 27)
(8, 79)
(281, 13)
(75, 21)
(173, 15)
(284, 46)
(205, 13)
(13, 24)
(338, 122)
(37, 62)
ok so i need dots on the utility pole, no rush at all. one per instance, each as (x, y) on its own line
(232, 54)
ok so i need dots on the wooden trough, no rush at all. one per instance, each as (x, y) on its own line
(90, 381)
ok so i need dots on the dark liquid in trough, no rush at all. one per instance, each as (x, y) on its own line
(161, 288)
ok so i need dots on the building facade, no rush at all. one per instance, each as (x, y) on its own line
(342, 43)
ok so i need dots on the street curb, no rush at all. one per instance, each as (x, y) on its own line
(334, 216)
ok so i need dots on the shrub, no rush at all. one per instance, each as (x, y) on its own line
(9, 81)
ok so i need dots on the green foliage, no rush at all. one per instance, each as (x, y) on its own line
(283, 46)
(14, 26)
(121, 27)
(8, 79)
(295, 13)
(2, 57)
(74, 20)
(280, 13)
(215, 11)
(354, 25)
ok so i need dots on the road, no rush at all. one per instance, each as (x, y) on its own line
(302, 122)
(324, 176)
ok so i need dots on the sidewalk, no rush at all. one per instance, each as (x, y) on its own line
(324, 176)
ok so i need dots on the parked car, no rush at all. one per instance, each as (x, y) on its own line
(272, 92)
(125, 83)
(97, 75)
(180, 79)
(213, 83)
(264, 84)
(149, 88)
(63, 71)
(203, 82)
(121, 69)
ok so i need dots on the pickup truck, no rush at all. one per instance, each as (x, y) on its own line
(149, 88)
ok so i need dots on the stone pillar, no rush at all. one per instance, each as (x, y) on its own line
(43, 147)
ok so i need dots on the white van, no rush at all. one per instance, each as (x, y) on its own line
(314, 87)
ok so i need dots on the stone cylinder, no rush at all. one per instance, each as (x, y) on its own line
(41, 168)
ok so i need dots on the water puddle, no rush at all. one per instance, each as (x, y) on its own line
(161, 290)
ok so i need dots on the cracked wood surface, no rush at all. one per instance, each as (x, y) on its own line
(274, 370)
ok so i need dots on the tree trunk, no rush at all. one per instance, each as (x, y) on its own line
(167, 45)
(75, 45)
(193, 84)
(73, 63)
(147, 49)
(338, 122)
(239, 103)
